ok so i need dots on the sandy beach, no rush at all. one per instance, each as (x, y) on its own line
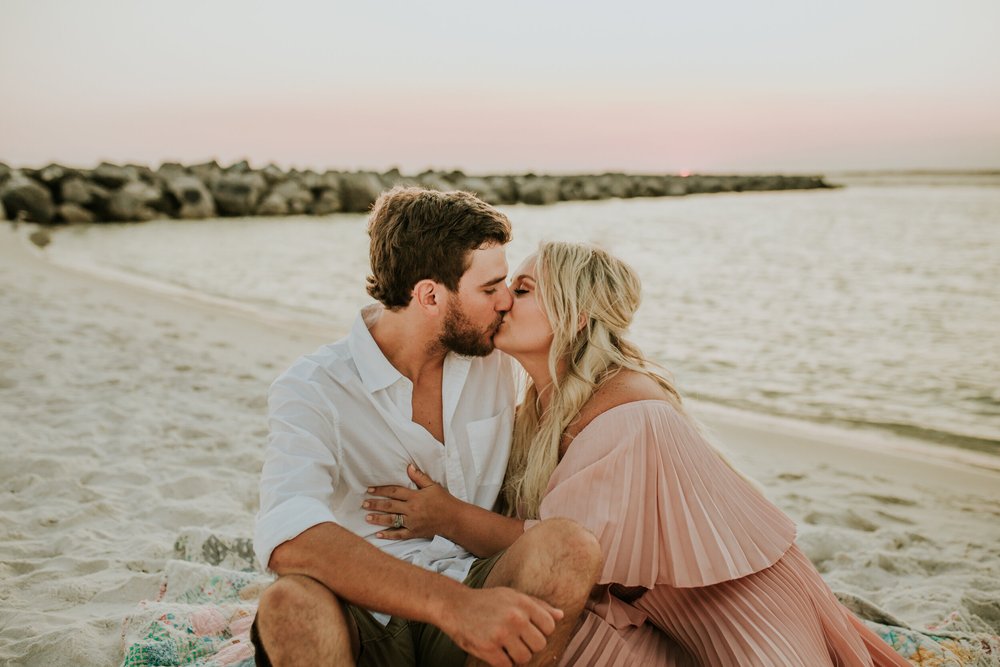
(129, 416)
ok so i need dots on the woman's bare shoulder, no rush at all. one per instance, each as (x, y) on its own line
(626, 386)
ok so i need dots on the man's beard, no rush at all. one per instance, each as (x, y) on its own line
(462, 337)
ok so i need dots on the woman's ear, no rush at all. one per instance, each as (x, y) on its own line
(581, 322)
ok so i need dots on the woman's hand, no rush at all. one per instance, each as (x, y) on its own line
(425, 512)
(430, 510)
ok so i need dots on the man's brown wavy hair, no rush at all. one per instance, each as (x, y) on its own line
(419, 234)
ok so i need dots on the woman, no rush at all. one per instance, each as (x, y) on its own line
(699, 567)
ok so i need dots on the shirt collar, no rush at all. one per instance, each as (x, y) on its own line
(376, 371)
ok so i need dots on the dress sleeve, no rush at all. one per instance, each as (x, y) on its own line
(663, 504)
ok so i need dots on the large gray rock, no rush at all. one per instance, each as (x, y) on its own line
(140, 172)
(614, 185)
(299, 199)
(172, 169)
(167, 172)
(190, 198)
(238, 193)
(393, 178)
(272, 173)
(327, 202)
(573, 188)
(310, 180)
(112, 176)
(208, 172)
(505, 188)
(26, 199)
(676, 186)
(433, 180)
(134, 202)
(273, 204)
(538, 190)
(54, 174)
(73, 213)
(76, 190)
(700, 184)
(648, 186)
(358, 191)
(481, 188)
(240, 167)
(325, 191)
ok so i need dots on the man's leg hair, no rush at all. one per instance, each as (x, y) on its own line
(300, 622)
(558, 561)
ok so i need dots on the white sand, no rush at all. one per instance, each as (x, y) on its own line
(129, 415)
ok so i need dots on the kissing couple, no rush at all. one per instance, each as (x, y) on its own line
(419, 509)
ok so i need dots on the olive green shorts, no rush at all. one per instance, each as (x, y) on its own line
(401, 643)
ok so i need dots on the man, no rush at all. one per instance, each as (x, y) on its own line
(417, 381)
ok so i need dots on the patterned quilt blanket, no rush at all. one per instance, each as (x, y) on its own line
(208, 598)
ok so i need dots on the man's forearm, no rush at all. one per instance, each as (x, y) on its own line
(359, 573)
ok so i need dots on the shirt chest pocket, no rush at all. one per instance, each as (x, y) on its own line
(489, 442)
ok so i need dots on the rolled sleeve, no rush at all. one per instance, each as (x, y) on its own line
(301, 465)
(285, 521)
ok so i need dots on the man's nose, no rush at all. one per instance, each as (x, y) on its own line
(506, 299)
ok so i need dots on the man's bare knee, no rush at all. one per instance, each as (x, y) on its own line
(299, 610)
(558, 560)
(569, 544)
(294, 592)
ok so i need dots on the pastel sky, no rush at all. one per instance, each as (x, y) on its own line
(782, 85)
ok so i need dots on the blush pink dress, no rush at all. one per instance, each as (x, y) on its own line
(727, 584)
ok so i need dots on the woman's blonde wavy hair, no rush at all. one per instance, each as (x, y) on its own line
(589, 298)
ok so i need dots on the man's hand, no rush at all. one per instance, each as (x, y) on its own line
(426, 512)
(500, 625)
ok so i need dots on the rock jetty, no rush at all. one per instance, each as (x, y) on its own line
(133, 193)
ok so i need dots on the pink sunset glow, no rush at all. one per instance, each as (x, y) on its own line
(139, 83)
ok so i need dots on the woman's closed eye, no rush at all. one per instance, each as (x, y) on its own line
(520, 290)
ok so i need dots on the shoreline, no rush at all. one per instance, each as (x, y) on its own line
(869, 441)
(132, 417)
(861, 437)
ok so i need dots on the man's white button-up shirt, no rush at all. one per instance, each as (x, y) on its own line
(340, 421)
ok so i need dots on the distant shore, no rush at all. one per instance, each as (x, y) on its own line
(57, 194)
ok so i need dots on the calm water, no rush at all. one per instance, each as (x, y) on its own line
(875, 306)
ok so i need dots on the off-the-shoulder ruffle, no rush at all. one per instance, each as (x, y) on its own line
(664, 506)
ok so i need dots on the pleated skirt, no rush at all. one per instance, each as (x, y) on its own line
(783, 616)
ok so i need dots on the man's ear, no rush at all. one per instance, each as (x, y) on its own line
(427, 294)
